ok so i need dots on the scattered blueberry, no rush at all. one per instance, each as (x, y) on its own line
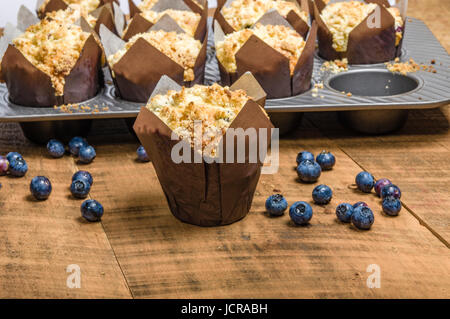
(87, 154)
(391, 206)
(380, 184)
(75, 144)
(142, 154)
(300, 213)
(4, 165)
(40, 187)
(276, 205)
(56, 148)
(91, 210)
(326, 160)
(304, 156)
(362, 217)
(360, 204)
(309, 171)
(344, 212)
(391, 190)
(12, 156)
(83, 175)
(18, 167)
(80, 188)
(322, 194)
(365, 182)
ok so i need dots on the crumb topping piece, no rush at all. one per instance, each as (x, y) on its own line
(243, 14)
(180, 47)
(187, 20)
(342, 17)
(283, 39)
(54, 48)
(336, 66)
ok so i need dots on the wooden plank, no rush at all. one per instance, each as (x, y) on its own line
(41, 239)
(262, 257)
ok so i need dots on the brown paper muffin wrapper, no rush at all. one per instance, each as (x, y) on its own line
(29, 86)
(138, 24)
(268, 66)
(365, 45)
(294, 20)
(209, 194)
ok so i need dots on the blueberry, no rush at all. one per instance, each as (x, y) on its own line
(326, 160)
(142, 154)
(55, 148)
(391, 206)
(322, 194)
(344, 212)
(75, 144)
(300, 213)
(91, 210)
(80, 188)
(309, 171)
(303, 156)
(4, 165)
(391, 190)
(18, 167)
(365, 182)
(12, 156)
(40, 187)
(87, 154)
(359, 204)
(380, 184)
(362, 217)
(83, 175)
(276, 205)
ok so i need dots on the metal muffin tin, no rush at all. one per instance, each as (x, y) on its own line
(379, 103)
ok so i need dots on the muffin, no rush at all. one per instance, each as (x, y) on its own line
(344, 32)
(278, 57)
(236, 15)
(52, 63)
(215, 190)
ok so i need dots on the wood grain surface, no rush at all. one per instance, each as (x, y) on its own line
(141, 251)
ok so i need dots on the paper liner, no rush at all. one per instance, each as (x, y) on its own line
(208, 194)
(270, 67)
(136, 81)
(294, 20)
(28, 86)
(141, 24)
(365, 45)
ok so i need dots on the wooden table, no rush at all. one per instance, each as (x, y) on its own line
(140, 250)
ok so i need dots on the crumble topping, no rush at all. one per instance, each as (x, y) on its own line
(283, 39)
(187, 20)
(336, 66)
(180, 47)
(409, 66)
(85, 5)
(71, 15)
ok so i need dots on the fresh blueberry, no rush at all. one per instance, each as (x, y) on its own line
(91, 210)
(380, 184)
(75, 144)
(362, 217)
(56, 148)
(365, 182)
(12, 156)
(326, 160)
(322, 194)
(18, 167)
(87, 154)
(276, 205)
(344, 212)
(83, 175)
(80, 188)
(391, 206)
(4, 165)
(300, 213)
(40, 187)
(142, 154)
(303, 156)
(309, 171)
(359, 204)
(391, 190)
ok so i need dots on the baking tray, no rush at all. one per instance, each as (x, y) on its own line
(379, 102)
